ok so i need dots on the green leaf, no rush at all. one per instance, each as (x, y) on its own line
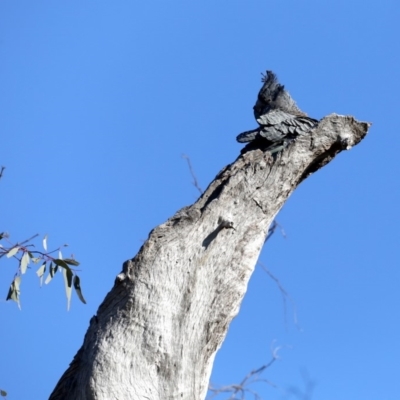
(45, 243)
(61, 263)
(23, 265)
(67, 274)
(52, 271)
(12, 252)
(3, 393)
(40, 272)
(78, 290)
(71, 261)
(13, 292)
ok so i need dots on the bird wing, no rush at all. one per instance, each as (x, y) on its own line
(277, 125)
(274, 117)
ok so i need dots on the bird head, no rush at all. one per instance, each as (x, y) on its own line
(268, 94)
(272, 96)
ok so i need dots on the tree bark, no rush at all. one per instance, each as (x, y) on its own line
(156, 333)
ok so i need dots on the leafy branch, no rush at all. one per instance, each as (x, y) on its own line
(25, 253)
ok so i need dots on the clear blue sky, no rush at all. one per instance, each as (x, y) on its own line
(98, 101)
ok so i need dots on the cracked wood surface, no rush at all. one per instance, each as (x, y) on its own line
(156, 333)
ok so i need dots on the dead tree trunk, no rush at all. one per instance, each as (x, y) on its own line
(156, 333)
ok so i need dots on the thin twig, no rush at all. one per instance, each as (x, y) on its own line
(284, 293)
(195, 182)
(272, 228)
(27, 240)
(243, 387)
(309, 388)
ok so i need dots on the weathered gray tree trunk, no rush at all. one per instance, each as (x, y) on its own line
(156, 334)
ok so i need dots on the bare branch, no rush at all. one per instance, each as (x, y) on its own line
(307, 393)
(195, 181)
(243, 387)
(284, 293)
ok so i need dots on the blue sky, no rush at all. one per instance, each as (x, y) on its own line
(99, 100)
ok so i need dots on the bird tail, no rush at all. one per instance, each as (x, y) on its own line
(248, 136)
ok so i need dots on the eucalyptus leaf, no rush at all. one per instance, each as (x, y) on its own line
(71, 261)
(40, 272)
(12, 252)
(67, 275)
(13, 292)
(77, 286)
(45, 243)
(61, 263)
(52, 271)
(24, 262)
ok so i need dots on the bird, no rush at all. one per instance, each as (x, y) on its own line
(280, 120)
